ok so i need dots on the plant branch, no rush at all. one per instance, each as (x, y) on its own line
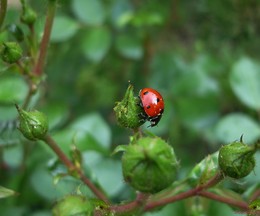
(240, 204)
(255, 195)
(172, 199)
(53, 145)
(3, 7)
(38, 69)
(163, 201)
(213, 181)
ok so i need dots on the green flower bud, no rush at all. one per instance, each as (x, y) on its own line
(255, 204)
(73, 205)
(33, 124)
(28, 15)
(149, 164)
(204, 170)
(10, 52)
(100, 207)
(254, 207)
(236, 159)
(128, 110)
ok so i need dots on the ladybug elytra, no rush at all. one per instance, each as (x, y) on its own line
(153, 105)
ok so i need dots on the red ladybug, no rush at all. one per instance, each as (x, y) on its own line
(153, 105)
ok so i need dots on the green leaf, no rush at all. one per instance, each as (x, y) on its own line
(12, 90)
(96, 43)
(7, 112)
(109, 174)
(129, 46)
(198, 113)
(41, 213)
(90, 12)
(82, 140)
(232, 126)
(89, 132)
(94, 125)
(42, 182)
(121, 12)
(245, 82)
(13, 156)
(57, 113)
(5, 192)
(63, 29)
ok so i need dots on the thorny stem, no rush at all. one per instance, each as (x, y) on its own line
(3, 6)
(71, 167)
(38, 70)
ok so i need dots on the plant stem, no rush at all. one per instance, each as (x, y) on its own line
(193, 192)
(255, 195)
(240, 204)
(163, 201)
(3, 7)
(53, 145)
(38, 69)
(29, 94)
(168, 200)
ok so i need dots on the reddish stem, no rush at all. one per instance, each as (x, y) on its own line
(163, 201)
(38, 70)
(168, 200)
(53, 145)
(255, 195)
(240, 204)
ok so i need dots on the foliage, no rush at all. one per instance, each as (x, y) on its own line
(203, 58)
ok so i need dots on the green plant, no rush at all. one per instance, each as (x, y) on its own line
(64, 156)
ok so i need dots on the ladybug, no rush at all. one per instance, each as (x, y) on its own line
(152, 104)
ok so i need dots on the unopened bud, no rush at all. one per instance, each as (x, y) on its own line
(236, 159)
(33, 124)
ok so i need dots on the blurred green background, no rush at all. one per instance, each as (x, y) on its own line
(203, 56)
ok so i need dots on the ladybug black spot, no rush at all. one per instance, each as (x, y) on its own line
(158, 100)
(148, 107)
(145, 93)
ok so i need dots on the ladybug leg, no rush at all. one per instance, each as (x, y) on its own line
(155, 120)
(142, 117)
